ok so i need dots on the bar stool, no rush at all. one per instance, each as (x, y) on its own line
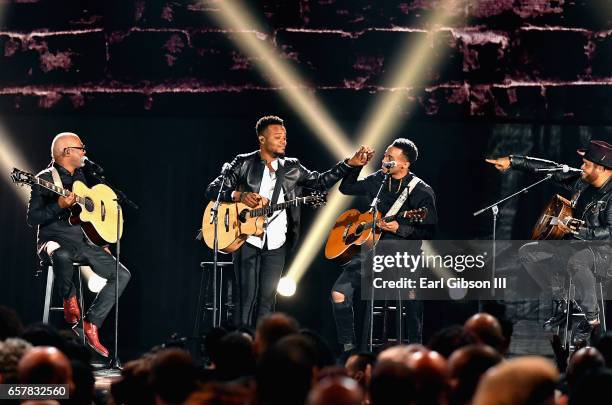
(571, 315)
(220, 287)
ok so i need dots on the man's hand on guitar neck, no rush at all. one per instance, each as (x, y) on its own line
(67, 202)
(248, 198)
(392, 226)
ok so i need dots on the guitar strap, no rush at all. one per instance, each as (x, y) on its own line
(403, 197)
(56, 177)
(280, 177)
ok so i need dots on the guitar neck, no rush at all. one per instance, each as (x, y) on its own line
(58, 190)
(269, 209)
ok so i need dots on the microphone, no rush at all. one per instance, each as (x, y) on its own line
(389, 165)
(226, 168)
(561, 168)
(92, 165)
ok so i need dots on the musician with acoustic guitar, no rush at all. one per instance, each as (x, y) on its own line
(416, 197)
(591, 220)
(63, 243)
(267, 175)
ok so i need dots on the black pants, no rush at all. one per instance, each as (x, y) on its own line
(546, 263)
(349, 285)
(257, 273)
(102, 263)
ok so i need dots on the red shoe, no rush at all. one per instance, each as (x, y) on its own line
(72, 312)
(91, 335)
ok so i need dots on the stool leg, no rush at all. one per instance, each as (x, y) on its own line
(48, 294)
(603, 308)
(566, 338)
(81, 305)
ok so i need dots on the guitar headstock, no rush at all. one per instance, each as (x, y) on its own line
(21, 177)
(417, 215)
(317, 199)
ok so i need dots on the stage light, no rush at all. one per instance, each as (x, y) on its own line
(413, 59)
(286, 286)
(292, 88)
(10, 158)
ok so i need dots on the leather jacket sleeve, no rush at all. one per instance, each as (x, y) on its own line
(43, 207)
(326, 180)
(351, 186)
(230, 184)
(601, 232)
(526, 164)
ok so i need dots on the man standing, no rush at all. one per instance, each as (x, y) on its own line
(267, 173)
(592, 202)
(404, 153)
(62, 244)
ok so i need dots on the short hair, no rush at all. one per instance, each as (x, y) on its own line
(11, 351)
(265, 122)
(409, 149)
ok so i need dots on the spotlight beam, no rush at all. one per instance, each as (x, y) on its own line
(382, 121)
(10, 158)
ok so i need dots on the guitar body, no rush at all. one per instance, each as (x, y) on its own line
(233, 227)
(558, 208)
(96, 209)
(349, 234)
(98, 220)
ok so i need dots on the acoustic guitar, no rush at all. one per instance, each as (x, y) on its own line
(558, 210)
(354, 229)
(95, 211)
(237, 221)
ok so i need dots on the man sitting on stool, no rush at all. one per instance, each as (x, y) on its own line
(63, 244)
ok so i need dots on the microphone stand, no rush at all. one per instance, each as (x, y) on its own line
(214, 214)
(495, 211)
(115, 364)
(374, 211)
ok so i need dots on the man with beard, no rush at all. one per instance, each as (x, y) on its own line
(592, 203)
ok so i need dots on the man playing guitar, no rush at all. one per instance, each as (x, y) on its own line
(266, 173)
(62, 244)
(404, 153)
(592, 203)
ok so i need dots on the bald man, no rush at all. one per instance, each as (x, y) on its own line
(487, 330)
(522, 381)
(337, 391)
(62, 244)
(45, 365)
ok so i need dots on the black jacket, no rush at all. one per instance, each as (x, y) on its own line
(45, 212)
(422, 196)
(247, 171)
(597, 212)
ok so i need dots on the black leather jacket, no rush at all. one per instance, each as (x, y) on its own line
(597, 213)
(247, 171)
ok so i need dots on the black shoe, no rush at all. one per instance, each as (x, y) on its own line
(582, 334)
(559, 315)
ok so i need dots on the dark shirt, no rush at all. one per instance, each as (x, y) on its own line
(45, 212)
(422, 196)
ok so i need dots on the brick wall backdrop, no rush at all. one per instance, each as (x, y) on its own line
(517, 60)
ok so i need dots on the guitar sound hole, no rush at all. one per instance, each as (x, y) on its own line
(359, 229)
(89, 204)
(242, 216)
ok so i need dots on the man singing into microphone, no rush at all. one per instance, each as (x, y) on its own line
(592, 201)
(398, 159)
(267, 173)
(62, 244)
